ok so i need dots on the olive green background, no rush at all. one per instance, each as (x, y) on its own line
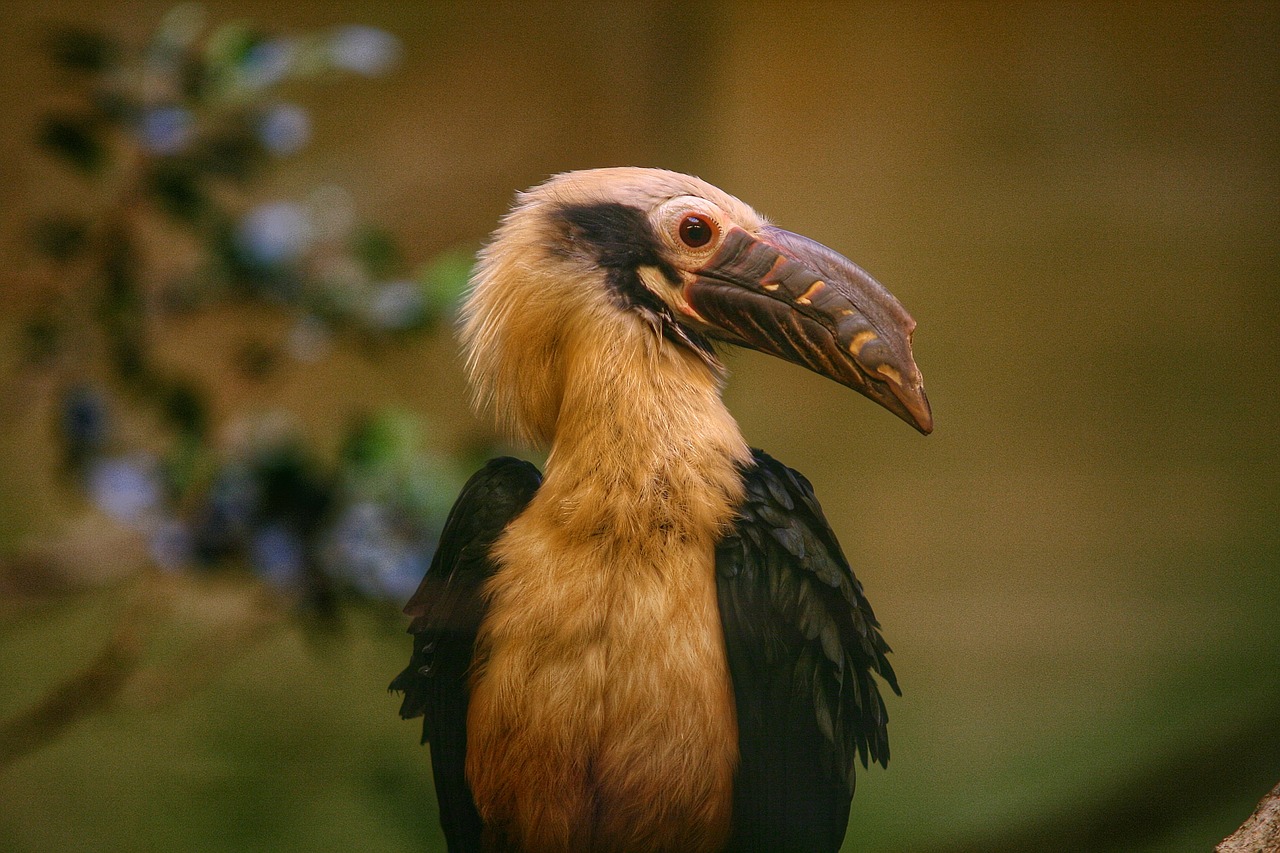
(1079, 571)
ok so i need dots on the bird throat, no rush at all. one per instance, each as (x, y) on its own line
(602, 715)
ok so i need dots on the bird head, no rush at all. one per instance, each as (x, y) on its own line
(629, 251)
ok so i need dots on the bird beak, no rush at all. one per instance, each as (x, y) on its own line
(792, 297)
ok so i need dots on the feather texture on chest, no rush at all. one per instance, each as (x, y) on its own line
(602, 711)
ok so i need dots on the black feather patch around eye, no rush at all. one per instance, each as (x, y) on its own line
(621, 241)
(618, 236)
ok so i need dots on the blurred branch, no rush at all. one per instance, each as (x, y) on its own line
(122, 673)
(79, 696)
(92, 552)
(1189, 783)
(1261, 832)
(86, 692)
(206, 657)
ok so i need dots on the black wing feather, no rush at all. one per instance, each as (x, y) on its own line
(446, 611)
(803, 644)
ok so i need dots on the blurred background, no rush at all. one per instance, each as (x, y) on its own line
(232, 415)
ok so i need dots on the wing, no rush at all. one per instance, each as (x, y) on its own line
(803, 645)
(446, 611)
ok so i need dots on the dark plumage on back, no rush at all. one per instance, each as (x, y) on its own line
(802, 643)
(446, 611)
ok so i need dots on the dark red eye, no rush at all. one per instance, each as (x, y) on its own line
(696, 231)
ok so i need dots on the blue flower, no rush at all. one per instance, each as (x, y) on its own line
(233, 495)
(284, 129)
(165, 130)
(84, 418)
(222, 523)
(397, 305)
(277, 554)
(400, 579)
(125, 487)
(365, 50)
(274, 234)
(172, 544)
(268, 62)
(366, 550)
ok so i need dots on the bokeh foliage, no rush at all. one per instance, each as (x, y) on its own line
(173, 136)
(172, 140)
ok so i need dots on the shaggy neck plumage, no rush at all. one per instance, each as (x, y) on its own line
(643, 444)
(601, 702)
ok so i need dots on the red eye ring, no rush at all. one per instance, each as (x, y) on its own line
(697, 231)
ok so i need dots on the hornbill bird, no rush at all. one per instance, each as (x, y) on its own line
(657, 645)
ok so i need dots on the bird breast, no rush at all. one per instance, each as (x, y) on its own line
(602, 713)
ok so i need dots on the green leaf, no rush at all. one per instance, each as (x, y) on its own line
(185, 410)
(376, 249)
(187, 465)
(444, 280)
(292, 485)
(176, 186)
(83, 51)
(120, 291)
(128, 357)
(41, 339)
(114, 106)
(75, 139)
(383, 440)
(60, 237)
(234, 154)
(230, 42)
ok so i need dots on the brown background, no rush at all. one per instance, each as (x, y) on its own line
(1078, 571)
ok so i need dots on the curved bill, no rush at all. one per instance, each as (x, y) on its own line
(787, 295)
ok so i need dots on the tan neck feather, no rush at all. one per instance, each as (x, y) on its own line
(601, 713)
(642, 440)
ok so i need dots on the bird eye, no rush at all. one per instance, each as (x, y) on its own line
(696, 231)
